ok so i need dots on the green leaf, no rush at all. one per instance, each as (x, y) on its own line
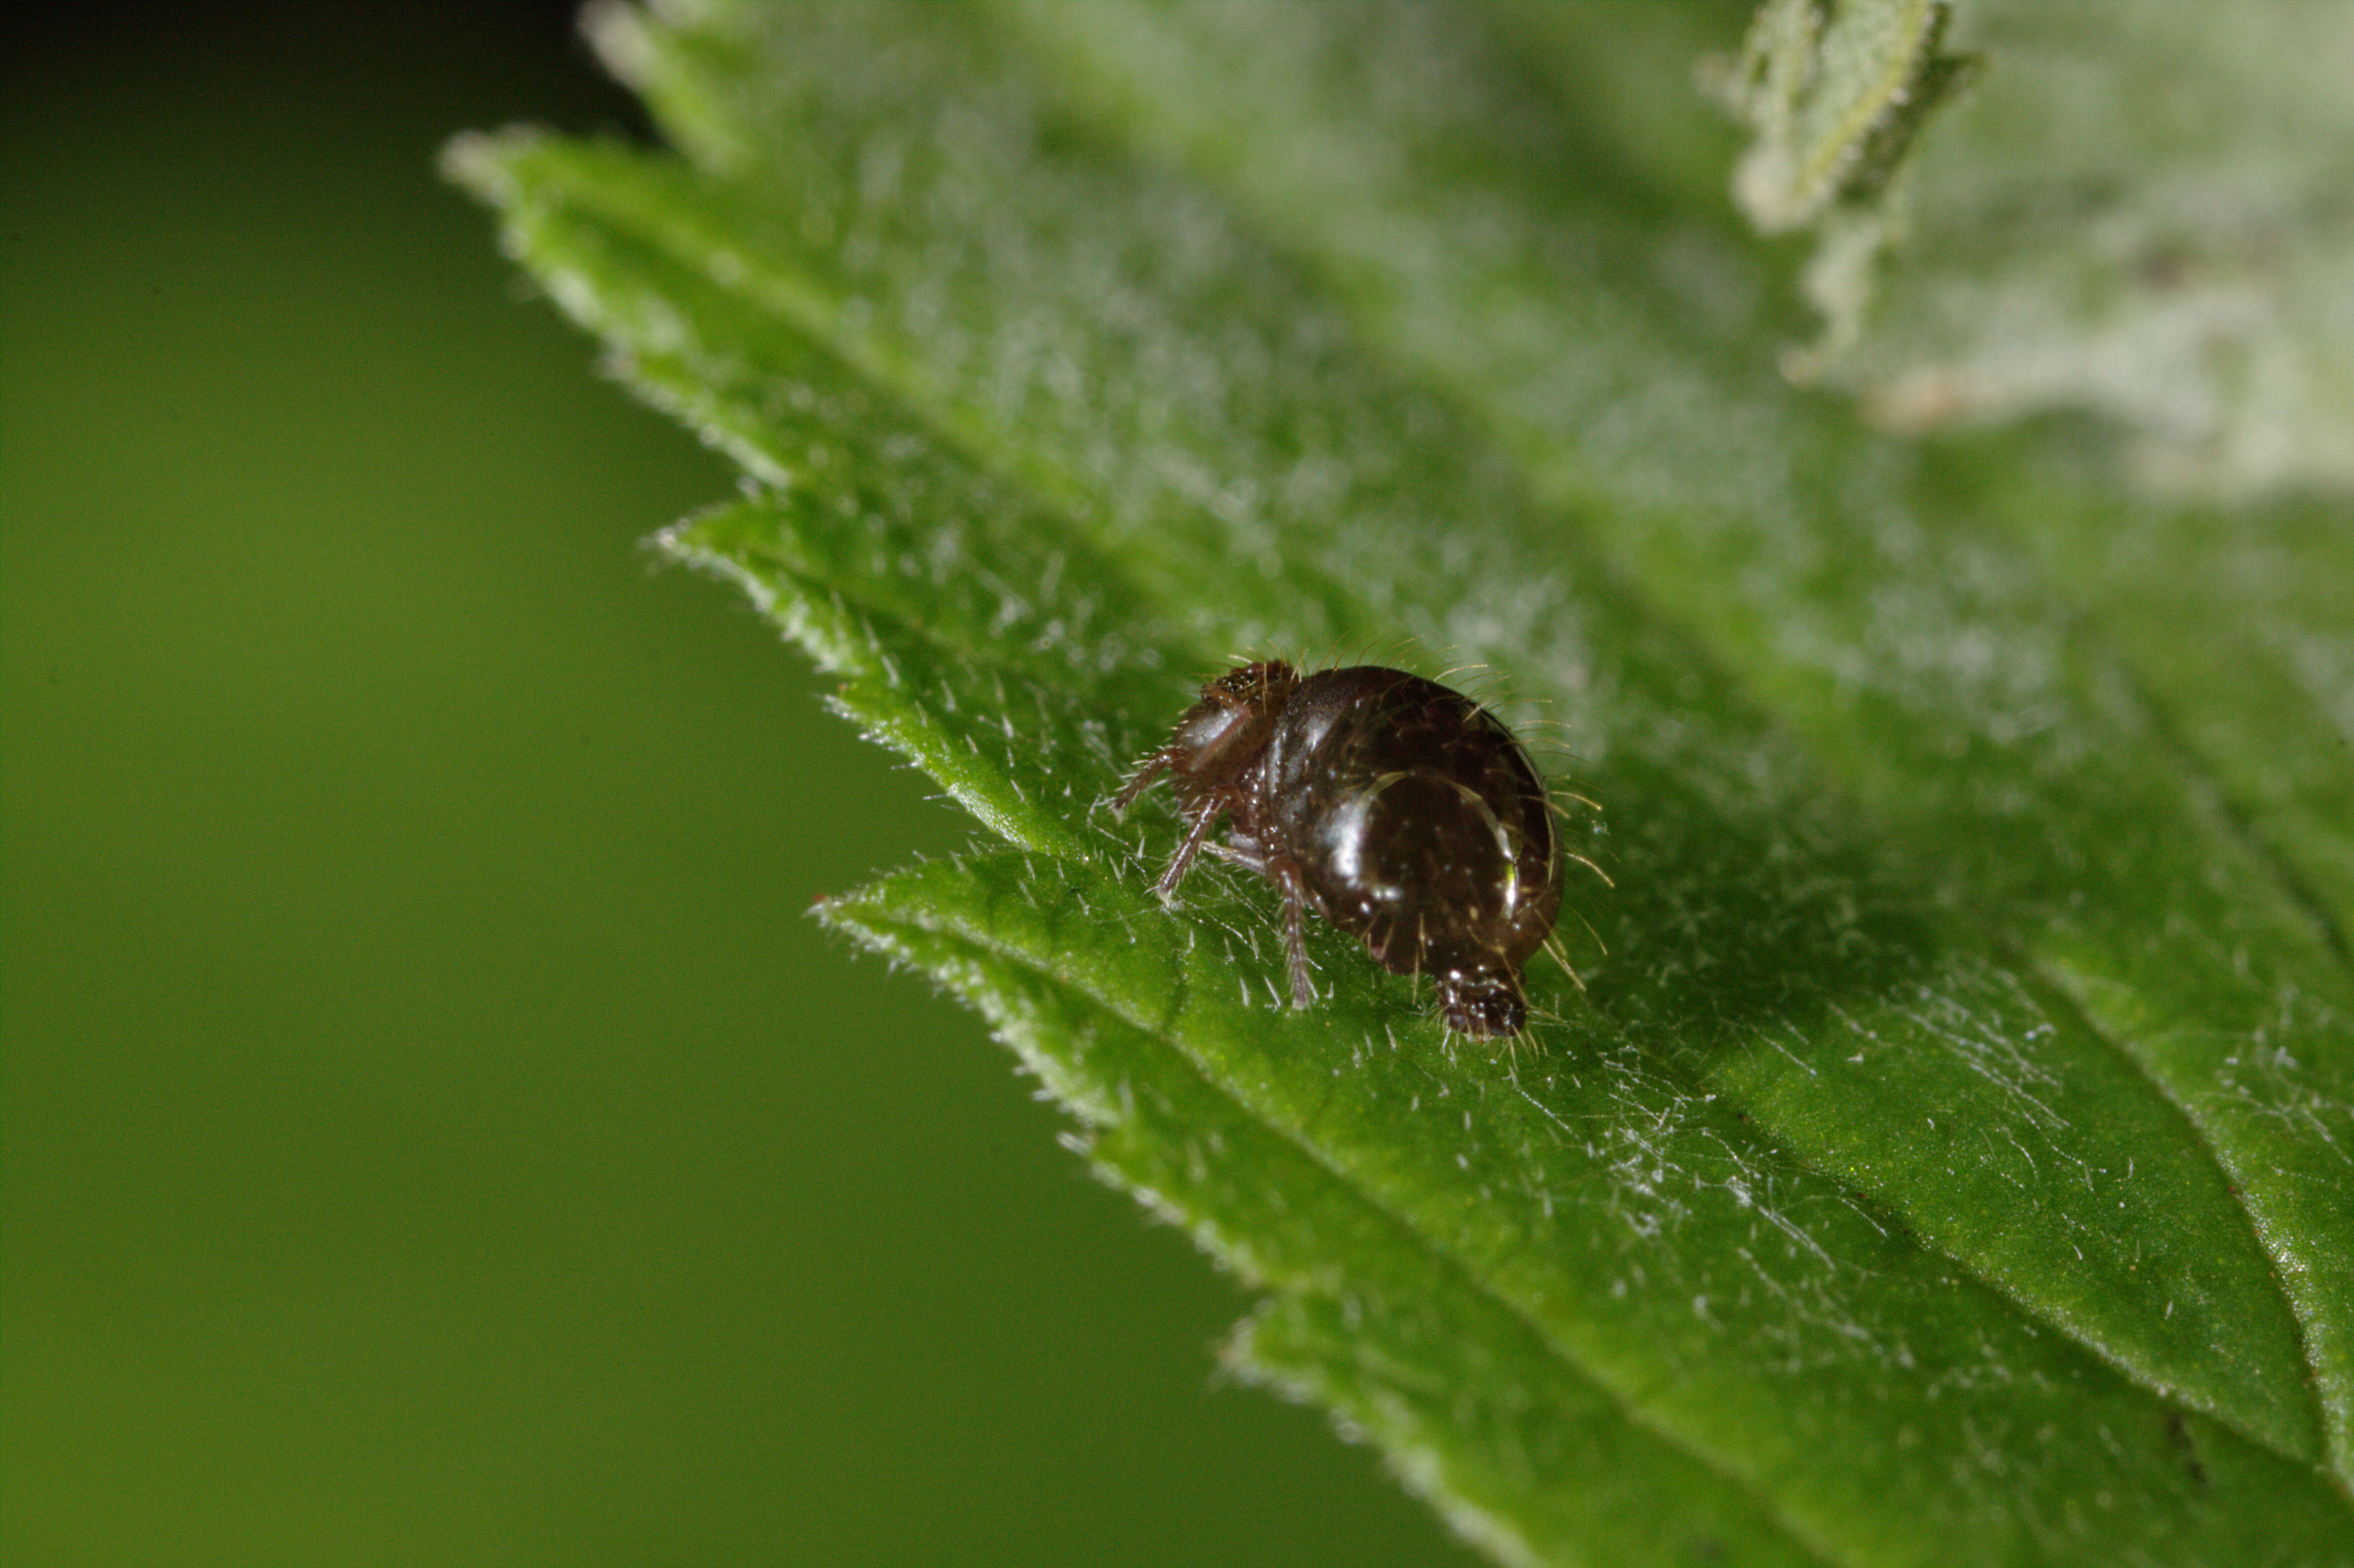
(1952, 1154)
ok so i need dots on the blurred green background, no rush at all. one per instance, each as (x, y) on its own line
(432, 1131)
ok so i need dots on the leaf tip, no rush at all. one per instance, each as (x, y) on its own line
(482, 162)
(617, 32)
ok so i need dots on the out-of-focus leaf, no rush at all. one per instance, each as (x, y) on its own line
(2137, 211)
(1836, 96)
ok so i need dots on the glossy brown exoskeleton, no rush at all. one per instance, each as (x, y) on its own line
(1402, 811)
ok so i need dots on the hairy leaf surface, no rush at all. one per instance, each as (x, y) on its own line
(1953, 1138)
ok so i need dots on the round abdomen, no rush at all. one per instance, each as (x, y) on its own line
(1416, 821)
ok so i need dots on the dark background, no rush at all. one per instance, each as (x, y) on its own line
(433, 1132)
